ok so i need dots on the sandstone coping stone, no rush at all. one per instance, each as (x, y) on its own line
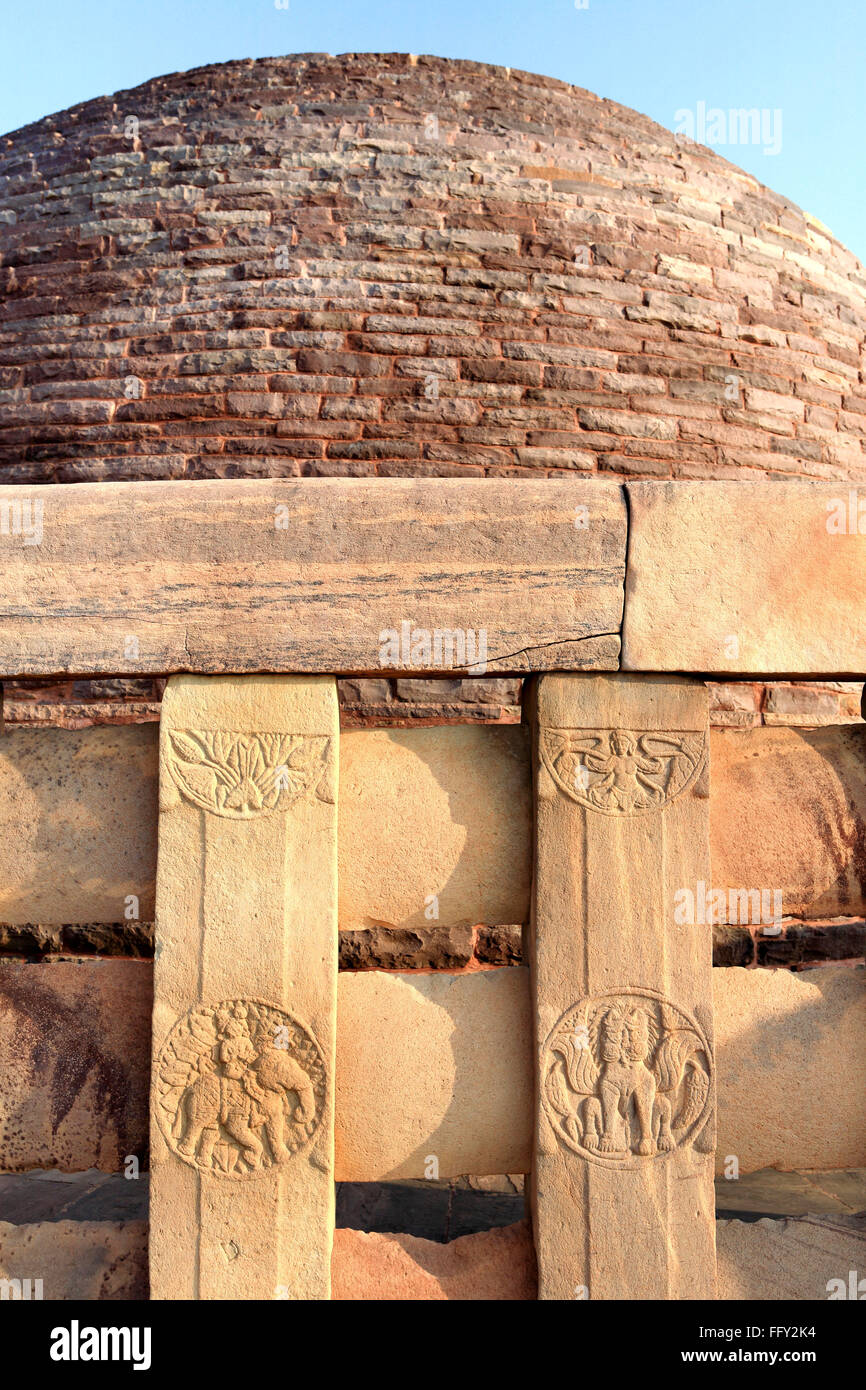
(765, 578)
(245, 989)
(622, 1170)
(338, 575)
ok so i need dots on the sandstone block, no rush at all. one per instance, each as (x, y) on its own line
(435, 1036)
(788, 814)
(489, 1265)
(718, 574)
(807, 1259)
(74, 1050)
(245, 989)
(76, 1260)
(622, 1176)
(83, 806)
(791, 1068)
(434, 830)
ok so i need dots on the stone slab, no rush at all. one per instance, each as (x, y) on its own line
(788, 815)
(792, 1068)
(74, 1058)
(308, 574)
(456, 1051)
(622, 1172)
(89, 1196)
(245, 989)
(771, 1193)
(435, 826)
(485, 1266)
(78, 810)
(745, 579)
(805, 1259)
(76, 1260)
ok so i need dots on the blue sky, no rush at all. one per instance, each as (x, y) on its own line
(797, 57)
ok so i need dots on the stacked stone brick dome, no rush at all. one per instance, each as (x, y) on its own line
(395, 265)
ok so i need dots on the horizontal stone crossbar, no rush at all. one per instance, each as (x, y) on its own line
(431, 1065)
(320, 575)
(432, 576)
(442, 811)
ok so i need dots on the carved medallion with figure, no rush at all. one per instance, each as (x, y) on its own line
(627, 1079)
(622, 773)
(240, 1087)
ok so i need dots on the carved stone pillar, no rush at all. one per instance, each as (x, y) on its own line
(622, 1185)
(242, 1193)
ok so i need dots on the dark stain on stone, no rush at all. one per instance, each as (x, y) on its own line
(67, 1050)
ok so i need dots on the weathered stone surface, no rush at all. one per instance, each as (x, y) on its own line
(338, 575)
(456, 1051)
(811, 943)
(399, 948)
(773, 1193)
(80, 811)
(791, 1068)
(436, 1209)
(439, 811)
(808, 1258)
(803, 706)
(45, 1194)
(746, 580)
(245, 989)
(485, 1266)
(77, 1259)
(434, 827)
(74, 1050)
(622, 1176)
(788, 813)
(782, 1041)
(763, 1260)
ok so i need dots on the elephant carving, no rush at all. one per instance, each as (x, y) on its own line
(241, 1088)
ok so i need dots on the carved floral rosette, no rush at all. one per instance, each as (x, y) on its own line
(240, 1087)
(246, 775)
(627, 1079)
(621, 773)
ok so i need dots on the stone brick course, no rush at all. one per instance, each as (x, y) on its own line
(332, 265)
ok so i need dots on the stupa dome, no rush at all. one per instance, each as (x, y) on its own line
(382, 264)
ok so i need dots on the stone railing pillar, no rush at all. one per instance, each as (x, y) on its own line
(244, 1019)
(622, 1184)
